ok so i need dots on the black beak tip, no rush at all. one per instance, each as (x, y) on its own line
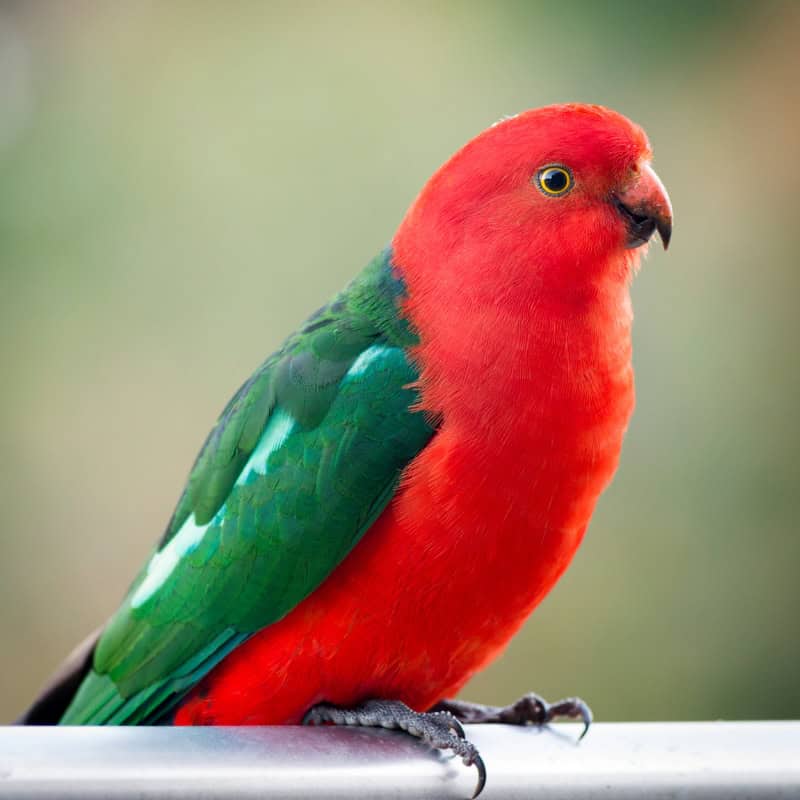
(664, 227)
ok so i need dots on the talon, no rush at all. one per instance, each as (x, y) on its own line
(573, 708)
(530, 709)
(586, 716)
(481, 767)
(439, 729)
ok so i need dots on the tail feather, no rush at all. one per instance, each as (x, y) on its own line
(98, 700)
(58, 692)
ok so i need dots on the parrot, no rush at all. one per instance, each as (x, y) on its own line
(383, 503)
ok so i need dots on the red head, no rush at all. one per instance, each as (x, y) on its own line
(521, 247)
(559, 196)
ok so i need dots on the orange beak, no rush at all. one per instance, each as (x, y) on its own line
(645, 207)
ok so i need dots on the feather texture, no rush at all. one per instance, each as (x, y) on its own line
(301, 462)
(330, 545)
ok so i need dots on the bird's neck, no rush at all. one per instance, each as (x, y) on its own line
(524, 370)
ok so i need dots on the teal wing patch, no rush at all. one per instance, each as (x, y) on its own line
(302, 461)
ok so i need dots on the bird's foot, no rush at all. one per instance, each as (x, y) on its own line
(530, 709)
(439, 729)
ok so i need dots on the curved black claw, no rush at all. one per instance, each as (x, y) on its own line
(572, 708)
(439, 729)
(481, 767)
(530, 709)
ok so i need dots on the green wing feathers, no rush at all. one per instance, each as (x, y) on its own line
(301, 462)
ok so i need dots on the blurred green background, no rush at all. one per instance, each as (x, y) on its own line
(180, 184)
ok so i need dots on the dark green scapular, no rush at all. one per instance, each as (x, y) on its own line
(302, 460)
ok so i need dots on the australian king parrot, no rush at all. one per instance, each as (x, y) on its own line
(386, 499)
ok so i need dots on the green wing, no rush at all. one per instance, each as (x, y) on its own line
(301, 462)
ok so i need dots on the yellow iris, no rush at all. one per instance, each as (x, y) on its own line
(554, 181)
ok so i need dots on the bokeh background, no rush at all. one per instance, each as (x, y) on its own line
(181, 183)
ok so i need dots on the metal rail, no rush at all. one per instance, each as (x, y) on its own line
(712, 761)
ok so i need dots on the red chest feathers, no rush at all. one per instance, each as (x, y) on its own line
(513, 477)
(486, 520)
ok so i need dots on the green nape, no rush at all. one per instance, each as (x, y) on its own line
(301, 462)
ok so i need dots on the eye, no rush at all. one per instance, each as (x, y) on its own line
(554, 181)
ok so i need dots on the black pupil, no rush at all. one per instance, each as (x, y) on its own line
(555, 180)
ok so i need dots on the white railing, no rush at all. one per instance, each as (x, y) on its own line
(712, 761)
